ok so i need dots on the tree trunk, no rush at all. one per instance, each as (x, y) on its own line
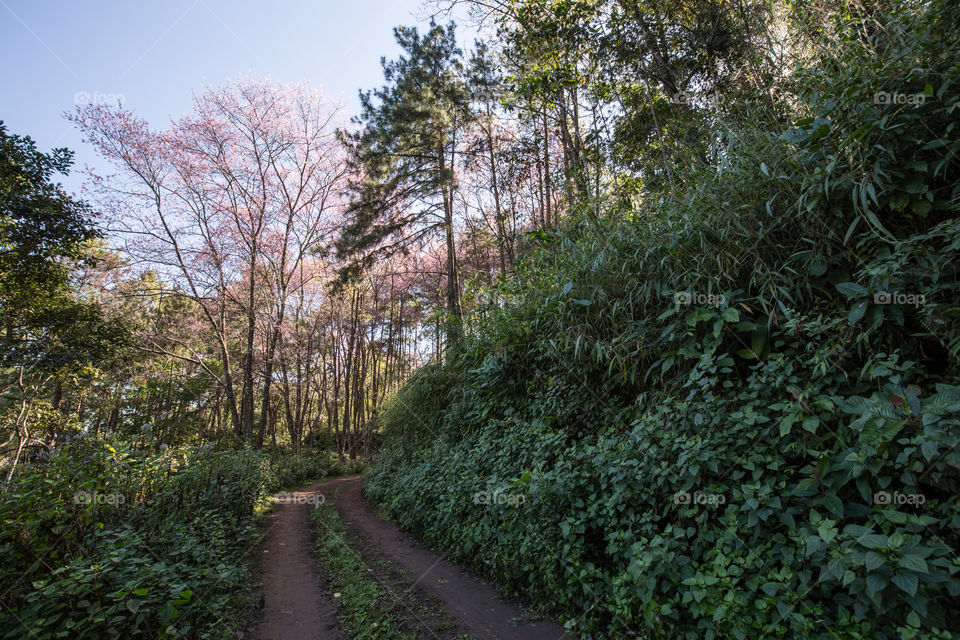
(248, 360)
(453, 293)
(546, 167)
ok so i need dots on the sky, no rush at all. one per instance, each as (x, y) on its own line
(155, 55)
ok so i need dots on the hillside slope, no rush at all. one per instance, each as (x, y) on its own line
(731, 411)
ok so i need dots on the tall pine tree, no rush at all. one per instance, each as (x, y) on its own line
(405, 155)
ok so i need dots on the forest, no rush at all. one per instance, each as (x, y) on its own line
(637, 319)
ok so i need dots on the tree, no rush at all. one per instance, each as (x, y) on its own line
(486, 84)
(47, 334)
(41, 227)
(226, 204)
(406, 153)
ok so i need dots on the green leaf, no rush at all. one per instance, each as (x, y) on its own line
(876, 583)
(913, 562)
(855, 405)
(850, 230)
(795, 136)
(819, 266)
(921, 207)
(899, 201)
(907, 583)
(784, 609)
(848, 577)
(820, 132)
(851, 289)
(873, 541)
(834, 569)
(827, 531)
(873, 560)
(857, 312)
(897, 517)
(872, 217)
(787, 422)
(834, 505)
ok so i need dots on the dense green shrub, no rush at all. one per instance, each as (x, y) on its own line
(103, 541)
(733, 413)
(289, 470)
(100, 540)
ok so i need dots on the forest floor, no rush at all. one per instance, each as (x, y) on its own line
(436, 598)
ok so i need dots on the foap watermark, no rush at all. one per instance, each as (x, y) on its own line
(687, 298)
(499, 497)
(700, 498)
(898, 297)
(285, 497)
(83, 98)
(897, 498)
(85, 497)
(895, 97)
(692, 98)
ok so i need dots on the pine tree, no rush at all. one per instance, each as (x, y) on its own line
(405, 155)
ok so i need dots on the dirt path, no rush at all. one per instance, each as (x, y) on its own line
(296, 606)
(471, 602)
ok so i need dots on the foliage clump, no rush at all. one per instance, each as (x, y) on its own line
(732, 410)
(101, 540)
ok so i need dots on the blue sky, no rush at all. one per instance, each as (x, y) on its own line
(157, 54)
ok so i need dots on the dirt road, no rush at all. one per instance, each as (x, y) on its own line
(295, 604)
(297, 607)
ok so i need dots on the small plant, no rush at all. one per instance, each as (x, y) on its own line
(100, 540)
(363, 607)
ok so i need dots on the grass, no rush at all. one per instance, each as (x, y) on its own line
(374, 598)
(362, 604)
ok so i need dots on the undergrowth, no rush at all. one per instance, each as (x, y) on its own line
(102, 540)
(731, 412)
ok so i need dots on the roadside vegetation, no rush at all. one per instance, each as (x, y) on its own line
(102, 540)
(363, 607)
(728, 408)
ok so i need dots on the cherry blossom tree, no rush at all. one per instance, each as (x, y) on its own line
(226, 204)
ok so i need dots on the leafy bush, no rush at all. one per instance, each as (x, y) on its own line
(289, 470)
(102, 541)
(733, 414)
